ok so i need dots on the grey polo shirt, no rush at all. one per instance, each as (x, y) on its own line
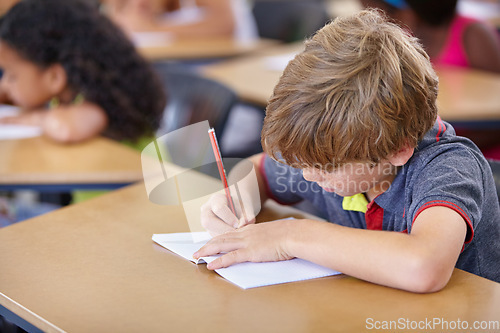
(445, 170)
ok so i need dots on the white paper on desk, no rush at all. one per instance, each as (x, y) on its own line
(152, 38)
(279, 62)
(247, 274)
(11, 132)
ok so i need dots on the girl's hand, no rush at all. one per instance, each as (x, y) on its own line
(31, 118)
(256, 243)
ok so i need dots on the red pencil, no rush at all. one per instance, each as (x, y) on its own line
(220, 166)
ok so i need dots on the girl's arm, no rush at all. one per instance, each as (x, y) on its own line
(75, 123)
(482, 45)
(218, 21)
(138, 15)
(66, 123)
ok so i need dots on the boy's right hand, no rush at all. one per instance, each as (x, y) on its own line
(217, 218)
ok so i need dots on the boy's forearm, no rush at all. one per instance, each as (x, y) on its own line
(360, 253)
(420, 262)
(388, 258)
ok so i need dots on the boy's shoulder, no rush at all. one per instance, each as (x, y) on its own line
(444, 168)
(442, 158)
(448, 170)
(441, 145)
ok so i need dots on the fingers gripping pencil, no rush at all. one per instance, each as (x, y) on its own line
(222, 172)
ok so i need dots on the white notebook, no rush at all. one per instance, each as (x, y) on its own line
(247, 274)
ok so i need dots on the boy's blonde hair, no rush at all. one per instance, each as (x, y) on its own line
(361, 90)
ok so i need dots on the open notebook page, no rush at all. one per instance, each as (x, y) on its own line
(248, 274)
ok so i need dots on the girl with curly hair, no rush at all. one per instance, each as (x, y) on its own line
(75, 74)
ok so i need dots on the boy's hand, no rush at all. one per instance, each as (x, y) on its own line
(217, 218)
(256, 243)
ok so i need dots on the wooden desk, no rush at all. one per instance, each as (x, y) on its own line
(468, 95)
(196, 49)
(249, 76)
(39, 162)
(92, 267)
(465, 95)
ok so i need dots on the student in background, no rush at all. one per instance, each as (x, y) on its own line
(352, 127)
(75, 73)
(184, 18)
(451, 39)
(5, 5)
(448, 37)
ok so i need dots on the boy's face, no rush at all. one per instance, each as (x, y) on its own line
(23, 81)
(353, 178)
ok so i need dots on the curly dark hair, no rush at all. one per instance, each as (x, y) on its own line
(99, 60)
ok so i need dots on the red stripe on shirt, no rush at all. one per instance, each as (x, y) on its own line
(452, 206)
(442, 127)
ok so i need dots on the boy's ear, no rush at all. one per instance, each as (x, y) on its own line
(56, 79)
(402, 156)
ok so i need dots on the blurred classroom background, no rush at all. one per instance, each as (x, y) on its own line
(216, 64)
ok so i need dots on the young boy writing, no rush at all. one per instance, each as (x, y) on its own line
(353, 123)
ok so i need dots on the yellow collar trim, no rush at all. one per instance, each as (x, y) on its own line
(356, 203)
